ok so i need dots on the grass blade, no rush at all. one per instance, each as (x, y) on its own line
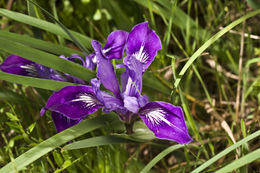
(44, 25)
(226, 151)
(211, 41)
(179, 16)
(55, 141)
(241, 162)
(160, 156)
(83, 49)
(97, 141)
(39, 44)
(34, 82)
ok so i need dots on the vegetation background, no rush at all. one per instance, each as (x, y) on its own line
(219, 92)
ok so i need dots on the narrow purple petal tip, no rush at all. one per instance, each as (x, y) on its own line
(43, 110)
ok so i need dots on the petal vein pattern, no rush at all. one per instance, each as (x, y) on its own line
(89, 100)
(141, 55)
(30, 69)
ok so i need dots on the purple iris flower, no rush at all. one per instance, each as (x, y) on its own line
(64, 106)
(75, 102)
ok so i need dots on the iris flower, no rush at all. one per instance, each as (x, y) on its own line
(72, 103)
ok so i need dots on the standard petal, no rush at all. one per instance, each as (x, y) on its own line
(115, 45)
(166, 121)
(131, 104)
(110, 102)
(131, 79)
(20, 66)
(143, 44)
(62, 122)
(73, 102)
(105, 71)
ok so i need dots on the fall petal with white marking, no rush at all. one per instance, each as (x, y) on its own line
(73, 102)
(166, 121)
(17, 65)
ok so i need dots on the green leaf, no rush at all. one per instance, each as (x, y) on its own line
(211, 41)
(97, 141)
(46, 59)
(150, 81)
(180, 17)
(122, 20)
(241, 162)
(44, 25)
(11, 96)
(226, 151)
(160, 156)
(75, 40)
(56, 141)
(34, 82)
(39, 44)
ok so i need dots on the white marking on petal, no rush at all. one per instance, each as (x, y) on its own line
(88, 100)
(157, 116)
(94, 59)
(141, 55)
(104, 51)
(30, 69)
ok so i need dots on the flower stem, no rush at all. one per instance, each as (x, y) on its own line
(129, 128)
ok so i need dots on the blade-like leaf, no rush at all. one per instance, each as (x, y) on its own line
(56, 141)
(149, 81)
(47, 26)
(254, 155)
(211, 41)
(35, 82)
(97, 141)
(75, 40)
(225, 152)
(39, 44)
(160, 156)
(180, 18)
(46, 59)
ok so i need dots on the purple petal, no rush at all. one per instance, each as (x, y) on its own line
(143, 44)
(110, 102)
(131, 79)
(166, 121)
(105, 71)
(115, 45)
(73, 102)
(131, 104)
(91, 61)
(62, 122)
(17, 65)
(74, 58)
(143, 100)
